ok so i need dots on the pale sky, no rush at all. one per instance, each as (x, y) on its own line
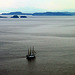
(37, 5)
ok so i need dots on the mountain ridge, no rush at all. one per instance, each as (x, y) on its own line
(42, 13)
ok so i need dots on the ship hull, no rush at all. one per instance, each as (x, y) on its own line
(29, 57)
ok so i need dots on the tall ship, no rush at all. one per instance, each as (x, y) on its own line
(31, 54)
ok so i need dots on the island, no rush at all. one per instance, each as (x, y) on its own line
(3, 17)
(15, 16)
(23, 16)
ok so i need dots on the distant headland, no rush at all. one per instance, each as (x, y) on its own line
(54, 14)
(42, 14)
(16, 13)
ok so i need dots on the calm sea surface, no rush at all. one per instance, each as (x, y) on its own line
(53, 38)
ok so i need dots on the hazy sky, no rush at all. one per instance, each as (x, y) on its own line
(36, 5)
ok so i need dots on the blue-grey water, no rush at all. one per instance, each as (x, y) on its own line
(53, 38)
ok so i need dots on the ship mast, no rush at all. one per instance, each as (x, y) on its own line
(28, 52)
(33, 52)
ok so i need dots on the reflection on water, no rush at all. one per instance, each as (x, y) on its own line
(53, 39)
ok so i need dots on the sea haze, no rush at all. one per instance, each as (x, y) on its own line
(53, 38)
